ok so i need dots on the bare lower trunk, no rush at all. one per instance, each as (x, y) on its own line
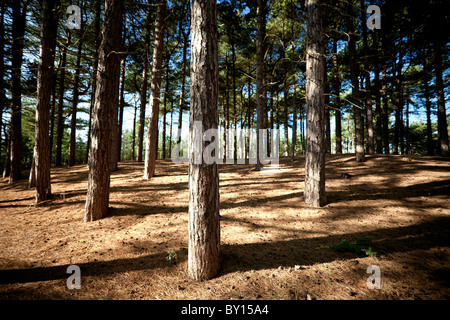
(97, 200)
(315, 110)
(18, 31)
(204, 223)
(152, 126)
(44, 92)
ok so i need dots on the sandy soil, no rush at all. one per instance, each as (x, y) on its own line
(273, 245)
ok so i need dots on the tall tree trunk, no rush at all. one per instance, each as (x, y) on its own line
(134, 134)
(166, 92)
(286, 121)
(94, 78)
(60, 115)
(152, 127)
(379, 113)
(327, 111)
(44, 92)
(385, 111)
(315, 110)
(7, 169)
(2, 71)
(121, 104)
(76, 85)
(294, 122)
(260, 97)
(368, 91)
(143, 93)
(183, 84)
(204, 223)
(359, 125)
(233, 66)
(430, 149)
(337, 100)
(97, 200)
(18, 32)
(443, 146)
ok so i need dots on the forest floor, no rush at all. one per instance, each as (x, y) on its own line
(273, 245)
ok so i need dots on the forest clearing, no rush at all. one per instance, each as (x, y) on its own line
(204, 151)
(273, 245)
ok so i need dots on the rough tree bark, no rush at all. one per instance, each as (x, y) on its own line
(152, 126)
(44, 92)
(260, 96)
(18, 32)
(315, 109)
(97, 200)
(204, 223)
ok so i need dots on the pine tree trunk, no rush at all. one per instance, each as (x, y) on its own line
(430, 149)
(97, 200)
(44, 92)
(260, 98)
(357, 112)
(315, 110)
(76, 85)
(143, 93)
(18, 32)
(94, 82)
(204, 223)
(286, 118)
(337, 100)
(443, 146)
(294, 123)
(121, 105)
(59, 114)
(385, 111)
(182, 87)
(152, 127)
(7, 169)
(2, 70)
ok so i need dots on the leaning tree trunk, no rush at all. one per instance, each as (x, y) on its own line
(44, 92)
(315, 109)
(97, 200)
(204, 223)
(152, 126)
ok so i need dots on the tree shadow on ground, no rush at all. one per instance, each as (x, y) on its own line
(267, 255)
